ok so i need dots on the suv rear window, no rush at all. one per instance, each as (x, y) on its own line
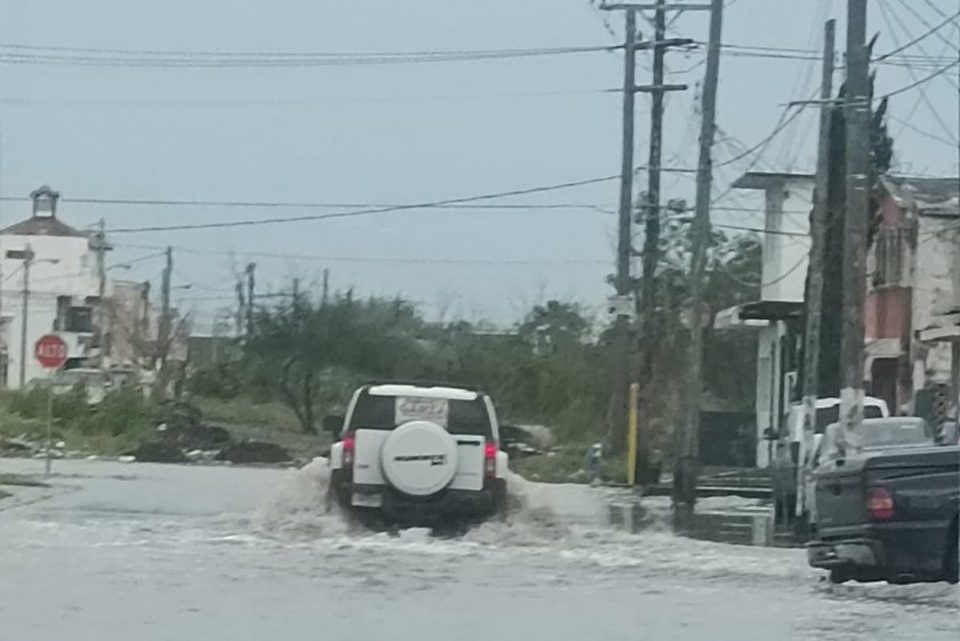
(828, 415)
(378, 413)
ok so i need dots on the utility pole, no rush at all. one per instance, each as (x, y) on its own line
(623, 284)
(251, 268)
(27, 257)
(326, 286)
(857, 111)
(101, 250)
(811, 347)
(623, 281)
(651, 216)
(163, 327)
(685, 476)
(241, 306)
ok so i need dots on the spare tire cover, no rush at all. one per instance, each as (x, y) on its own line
(419, 458)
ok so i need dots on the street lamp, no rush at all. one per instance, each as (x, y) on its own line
(29, 258)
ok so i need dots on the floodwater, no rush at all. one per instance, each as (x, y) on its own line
(168, 553)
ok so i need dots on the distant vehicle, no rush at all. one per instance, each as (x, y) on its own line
(889, 516)
(783, 466)
(418, 455)
(96, 383)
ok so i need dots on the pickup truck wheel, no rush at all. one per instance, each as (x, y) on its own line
(951, 557)
(839, 575)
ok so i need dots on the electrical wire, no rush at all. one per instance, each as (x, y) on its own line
(361, 212)
(385, 259)
(932, 30)
(78, 56)
(920, 82)
(913, 75)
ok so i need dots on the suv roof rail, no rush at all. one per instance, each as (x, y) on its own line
(422, 383)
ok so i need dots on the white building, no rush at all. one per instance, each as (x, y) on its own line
(56, 265)
(777, 316)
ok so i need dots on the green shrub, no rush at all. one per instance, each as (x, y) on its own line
(219, 381)
(122, 411)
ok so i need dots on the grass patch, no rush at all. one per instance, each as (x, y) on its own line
(243, 411)
(20, 480)
(568, 464)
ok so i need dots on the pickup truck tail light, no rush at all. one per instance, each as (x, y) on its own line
(349, 449)
(880, 504)
(490, 459)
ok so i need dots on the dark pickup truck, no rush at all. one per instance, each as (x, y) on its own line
(889, 517)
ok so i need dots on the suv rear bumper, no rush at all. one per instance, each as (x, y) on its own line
(412, 510)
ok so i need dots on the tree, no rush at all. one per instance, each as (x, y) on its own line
(305, 349)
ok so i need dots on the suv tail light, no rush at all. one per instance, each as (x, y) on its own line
(349, 448)
(880, 504)
(490, 459)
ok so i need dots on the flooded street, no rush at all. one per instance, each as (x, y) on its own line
(153, 553)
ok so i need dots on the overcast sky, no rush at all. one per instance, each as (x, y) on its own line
(411, 133)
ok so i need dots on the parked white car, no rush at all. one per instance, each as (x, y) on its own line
(787, 458)
(96, 383)
(418, 454)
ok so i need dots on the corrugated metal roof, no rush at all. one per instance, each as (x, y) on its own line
(929, 196)
(42, 226)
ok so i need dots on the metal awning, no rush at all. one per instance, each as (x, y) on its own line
(940, 334)
(945, 328)
(758, 314)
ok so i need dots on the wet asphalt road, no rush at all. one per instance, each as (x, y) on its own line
(163, 553)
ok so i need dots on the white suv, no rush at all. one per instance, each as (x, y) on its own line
(418, 454)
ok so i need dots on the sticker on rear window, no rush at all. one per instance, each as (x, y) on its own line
(411, 408)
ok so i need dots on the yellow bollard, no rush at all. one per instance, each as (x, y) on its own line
(632, 435)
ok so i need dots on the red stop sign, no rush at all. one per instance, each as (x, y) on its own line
(50, 351)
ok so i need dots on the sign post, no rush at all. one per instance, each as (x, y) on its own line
(51, 352)
(632, 418)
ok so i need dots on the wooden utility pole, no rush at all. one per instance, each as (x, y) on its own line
(326, 286)
(622, 375)
(623, 281)
(651, 218)
(251, 268)
(27, 257)
(101, 250)
(857, 112)
(164, 322)
(811, 347)
(241, 306)
(685, 475)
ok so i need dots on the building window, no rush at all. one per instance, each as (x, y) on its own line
(888, 251)
(79, 319)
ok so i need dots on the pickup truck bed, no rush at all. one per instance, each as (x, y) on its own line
(889, 517)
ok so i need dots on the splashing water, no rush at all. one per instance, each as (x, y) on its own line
(302, 506)
(302, 509)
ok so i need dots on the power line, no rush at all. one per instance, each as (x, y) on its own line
(172, 202)
(920, 82)
(361, 212)
(926, 23)
(925, 134)
(78, 56)
(161, 202)
(921, 37)
(910, 70)
(200, 102)
(385, 259)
